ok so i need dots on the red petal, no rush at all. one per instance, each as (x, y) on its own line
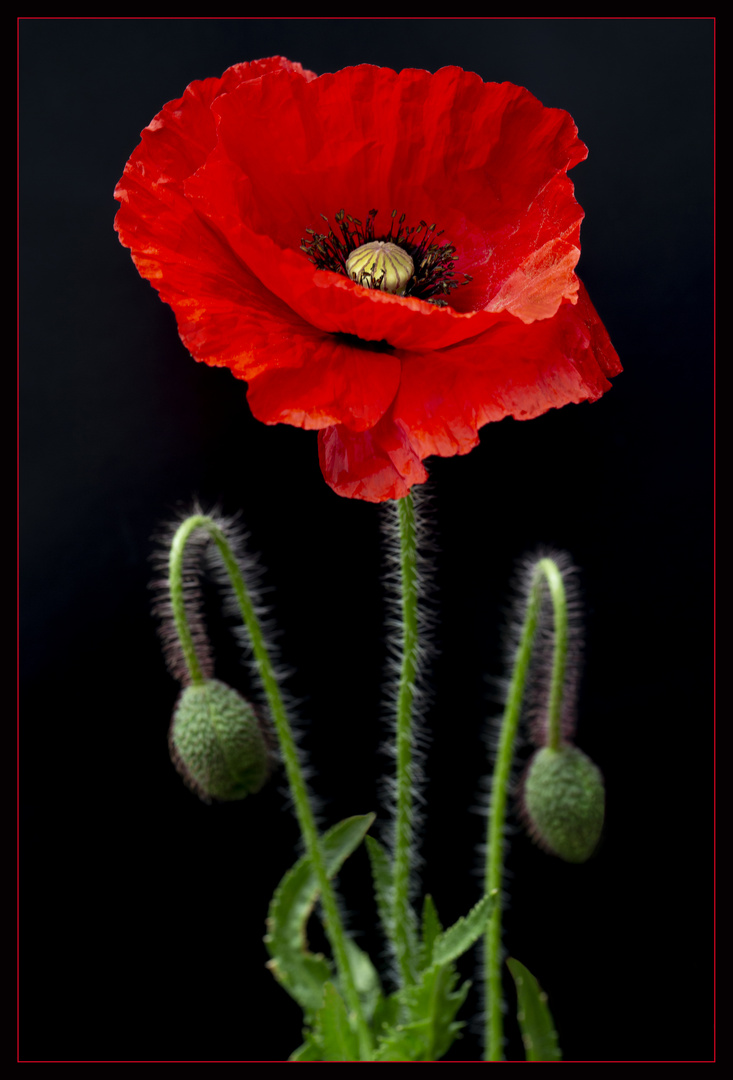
(339, 382)
(374, 465)
(179, 138)
(445, 397)
(512, 370)
(487, 162)
(225, 316)
(216, 198)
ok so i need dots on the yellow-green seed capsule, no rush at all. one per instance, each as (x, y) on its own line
(381, 265)
(564, 802)
(216, 742)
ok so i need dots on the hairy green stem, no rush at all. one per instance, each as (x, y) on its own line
(332, 919)
(548, 570)
(178, 604)
(559, 653)
(401, 910)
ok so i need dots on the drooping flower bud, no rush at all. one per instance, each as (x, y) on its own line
(217, 743)
(564, 802)
(381, 265)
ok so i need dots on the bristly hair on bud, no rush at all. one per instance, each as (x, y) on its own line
(217, 743)
(564, 802)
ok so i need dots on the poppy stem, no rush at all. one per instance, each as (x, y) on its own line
(556, 586)
(544, 570)
(176, 587)
(402, 915)
(333, 924)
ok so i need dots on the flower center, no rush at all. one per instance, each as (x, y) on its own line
(402, 262)
(381, 265)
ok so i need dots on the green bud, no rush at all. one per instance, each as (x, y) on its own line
(216, 742)
(564, 802)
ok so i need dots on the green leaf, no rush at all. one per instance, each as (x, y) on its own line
(427, 1027)
(386, 1014)
(459, 938)
(369, 989)
(365, 977)
(332, 1028)
(311, 1049)
(399, 1044)
(343, 839)
(382, 877)
(301, 972)
(431, 928)
(538, 1030)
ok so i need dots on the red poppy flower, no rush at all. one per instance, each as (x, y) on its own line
(471, 312)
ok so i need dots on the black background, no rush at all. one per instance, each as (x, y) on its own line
(142, 909)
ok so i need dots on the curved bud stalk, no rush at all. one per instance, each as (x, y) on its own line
(190, 659)
(216, 739)
(563, 796)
